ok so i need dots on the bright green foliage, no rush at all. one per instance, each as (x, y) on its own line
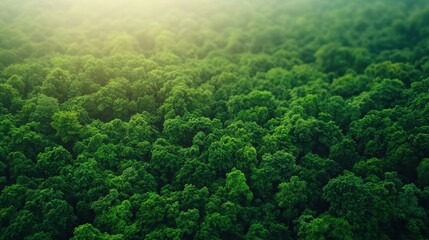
(238, 190)
(214, 119)
(67, 125)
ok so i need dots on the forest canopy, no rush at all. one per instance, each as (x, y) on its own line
(203, 119)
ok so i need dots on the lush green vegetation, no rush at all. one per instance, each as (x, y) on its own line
(203, 119)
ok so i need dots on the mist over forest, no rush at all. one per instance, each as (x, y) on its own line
(204, 119)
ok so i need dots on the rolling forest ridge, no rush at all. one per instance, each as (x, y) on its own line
(214, 119)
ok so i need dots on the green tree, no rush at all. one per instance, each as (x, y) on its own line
(292, 196)
(67, 125)
(238, 190)
(257, 231)
(57, 84)
(188, 222)
(40, 109)
(88, 232)
(52, 160)
(423, 172)
(8, 96)
(366, 206)
(323, 227)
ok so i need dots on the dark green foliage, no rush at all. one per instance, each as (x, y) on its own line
(188, 119)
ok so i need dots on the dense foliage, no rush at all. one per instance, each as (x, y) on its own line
(203, 119)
